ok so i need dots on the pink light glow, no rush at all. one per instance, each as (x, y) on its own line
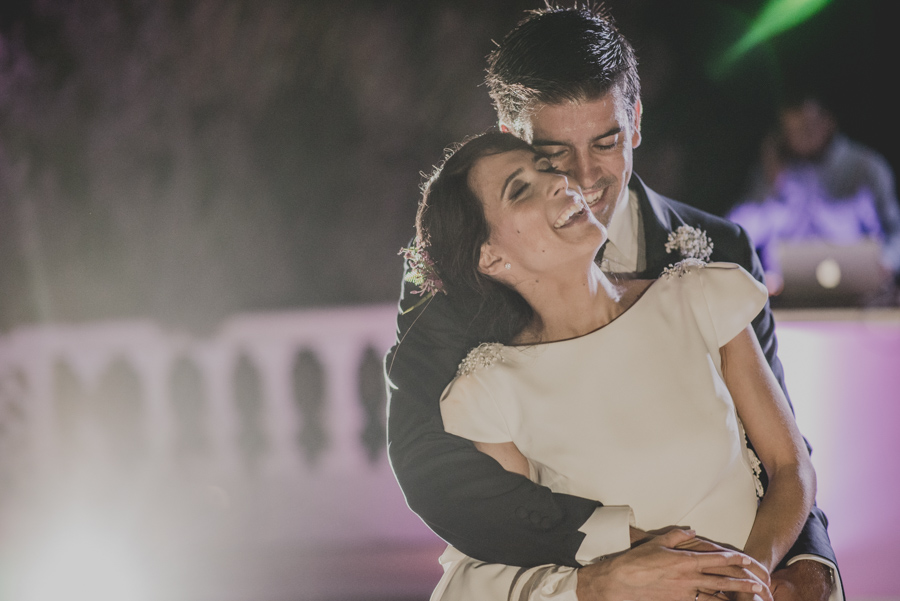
(844, 381)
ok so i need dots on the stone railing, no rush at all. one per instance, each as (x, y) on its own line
(253, 459)
(258, 356)
(274, 408)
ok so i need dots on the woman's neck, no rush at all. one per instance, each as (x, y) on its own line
(567, 305)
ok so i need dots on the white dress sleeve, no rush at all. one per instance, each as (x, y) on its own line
(734, 298)
(468, 410)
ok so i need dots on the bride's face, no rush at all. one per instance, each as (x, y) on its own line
(538, 223)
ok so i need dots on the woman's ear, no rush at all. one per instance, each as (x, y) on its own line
(490, 263)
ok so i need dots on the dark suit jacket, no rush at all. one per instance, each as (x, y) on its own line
(465, 496)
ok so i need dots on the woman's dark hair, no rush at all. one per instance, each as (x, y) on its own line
(451, 223)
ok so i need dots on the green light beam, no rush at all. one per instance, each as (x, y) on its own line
(776, 17)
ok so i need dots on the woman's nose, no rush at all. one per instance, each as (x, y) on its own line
(559, 184)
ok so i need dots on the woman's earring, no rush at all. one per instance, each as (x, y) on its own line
(508, 265)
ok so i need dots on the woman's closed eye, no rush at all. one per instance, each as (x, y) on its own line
(520, 186)
(518, 190)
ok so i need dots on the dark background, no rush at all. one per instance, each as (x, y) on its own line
(186, 160)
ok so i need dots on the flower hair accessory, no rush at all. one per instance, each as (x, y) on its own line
(692, 244)
(422, 272)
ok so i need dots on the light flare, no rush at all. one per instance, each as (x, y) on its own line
(776, 17)
(81, 563)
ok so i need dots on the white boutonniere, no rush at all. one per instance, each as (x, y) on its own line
(694, 246)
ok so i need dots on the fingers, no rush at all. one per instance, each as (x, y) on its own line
(675, 537)
(701, 544)
(712, 596)
(659, 531)
(726, 584)
(708, 562)
(718, 545)
(751, 568)
(764, 595)
(731, 572)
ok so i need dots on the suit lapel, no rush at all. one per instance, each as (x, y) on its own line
(657, 219)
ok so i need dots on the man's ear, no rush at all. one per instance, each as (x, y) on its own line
(490, 263)
(636, 126)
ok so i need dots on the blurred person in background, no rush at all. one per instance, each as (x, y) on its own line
(566, 81)
(814, 183)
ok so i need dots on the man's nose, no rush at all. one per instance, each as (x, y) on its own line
(585, 170)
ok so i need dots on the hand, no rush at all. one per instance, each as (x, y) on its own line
(720, 596)
(804, 580)
(657, 571)
(702, 544)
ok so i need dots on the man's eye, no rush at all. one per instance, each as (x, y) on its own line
(611, 144)
(554, 155)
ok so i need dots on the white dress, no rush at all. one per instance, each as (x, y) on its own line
(635, 413)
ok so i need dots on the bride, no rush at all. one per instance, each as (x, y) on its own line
(638, 393)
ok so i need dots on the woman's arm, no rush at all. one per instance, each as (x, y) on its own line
(770, 425)
(507, 454)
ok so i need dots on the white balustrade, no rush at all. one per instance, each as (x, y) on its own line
(288, 495)
(293, 527)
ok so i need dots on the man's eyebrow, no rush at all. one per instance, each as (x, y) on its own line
(548, 142)
(612, 132)
(511, 177)
(542, 142)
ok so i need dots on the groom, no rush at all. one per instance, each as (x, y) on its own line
(566, 81)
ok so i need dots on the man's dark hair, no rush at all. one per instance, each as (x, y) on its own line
(560, 54)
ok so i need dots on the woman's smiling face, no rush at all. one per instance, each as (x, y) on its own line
(537, 221)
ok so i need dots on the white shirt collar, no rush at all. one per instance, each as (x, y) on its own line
(622, 251)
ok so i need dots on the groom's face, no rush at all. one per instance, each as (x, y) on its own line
(592, 143)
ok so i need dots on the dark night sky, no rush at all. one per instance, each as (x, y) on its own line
(185, 160)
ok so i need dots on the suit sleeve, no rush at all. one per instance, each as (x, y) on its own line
(463, 495)
(813, 539)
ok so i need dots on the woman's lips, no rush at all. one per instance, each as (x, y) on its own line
(569, 213)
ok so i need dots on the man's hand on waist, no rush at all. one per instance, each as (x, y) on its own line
(657, 570)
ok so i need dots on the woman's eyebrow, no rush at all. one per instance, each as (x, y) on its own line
(511, 177)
